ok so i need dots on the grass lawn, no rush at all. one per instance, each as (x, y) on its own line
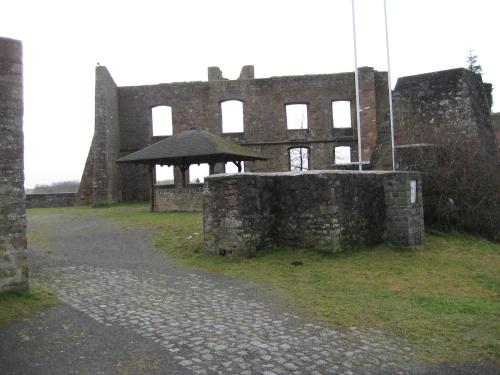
(15, 305)
(444, 298)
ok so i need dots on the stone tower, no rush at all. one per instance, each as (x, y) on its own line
(13, 267)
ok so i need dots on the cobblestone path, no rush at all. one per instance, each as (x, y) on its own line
(210, 330)
(213, 326)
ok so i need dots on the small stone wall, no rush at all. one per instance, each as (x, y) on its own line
(327, 210)
(13, 265)
(46, 200)
(169, 198)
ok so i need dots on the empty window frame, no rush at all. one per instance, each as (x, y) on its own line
(341, 113)
(342, 154)
(197, 173)
(162, 120)
(296, 116)
(299, 159)
(230, 167)
(164, 175)
(232, 116)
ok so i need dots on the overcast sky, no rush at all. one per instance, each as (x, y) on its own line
(148, 42)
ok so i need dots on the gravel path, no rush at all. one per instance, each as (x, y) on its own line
(128, 310)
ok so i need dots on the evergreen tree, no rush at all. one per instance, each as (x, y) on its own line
(472, 64)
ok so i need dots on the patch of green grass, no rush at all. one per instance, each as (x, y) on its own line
(444, 298)
(37, 236)
(16, 305)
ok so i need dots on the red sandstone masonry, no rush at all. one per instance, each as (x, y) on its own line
(197, 104)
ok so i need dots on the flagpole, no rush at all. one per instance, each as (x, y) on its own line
(356, 80)
(390, 85)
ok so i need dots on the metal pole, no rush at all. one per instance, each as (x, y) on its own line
(356, 79)
(390, 85)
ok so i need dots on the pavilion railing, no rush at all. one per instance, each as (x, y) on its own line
(172, 198)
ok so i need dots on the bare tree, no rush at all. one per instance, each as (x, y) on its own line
(299, 159)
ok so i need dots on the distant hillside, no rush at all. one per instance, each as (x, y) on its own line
(56, 187)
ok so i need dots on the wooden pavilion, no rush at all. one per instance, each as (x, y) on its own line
(194, 146)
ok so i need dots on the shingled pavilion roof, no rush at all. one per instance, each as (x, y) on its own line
(193, 146)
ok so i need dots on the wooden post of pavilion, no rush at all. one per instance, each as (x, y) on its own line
(183, 169)
(211, 168)
(152, 178)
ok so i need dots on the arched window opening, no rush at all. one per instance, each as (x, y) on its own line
(296, 116)
(232, 116)
(299, 159)
(341, 111)
(230, 167)
(342, 154)
(162, 120)
(197, 173)
(164, 175)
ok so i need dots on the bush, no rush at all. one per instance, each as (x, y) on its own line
(461, 186)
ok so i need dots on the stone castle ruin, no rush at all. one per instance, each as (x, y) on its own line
(123, 123)
(450, 103)
(425, 106)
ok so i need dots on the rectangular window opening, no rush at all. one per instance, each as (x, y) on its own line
(232, 116)
(342, 154)
(341, 112)
(296, 116)
(162, 120)
(299, 159)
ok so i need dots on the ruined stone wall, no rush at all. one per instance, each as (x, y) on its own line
(198, 104)
(327, 210)
(13, 268)
(106, 183)
(46, 200)
(495, 123)
(449, 104)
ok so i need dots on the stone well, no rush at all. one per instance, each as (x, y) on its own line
(328, 210)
